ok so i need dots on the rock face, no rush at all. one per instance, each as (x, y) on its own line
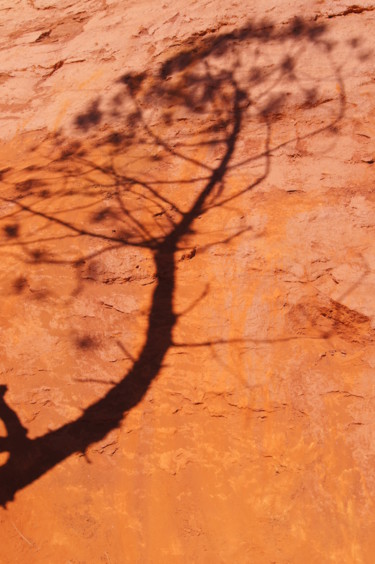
(187, 241)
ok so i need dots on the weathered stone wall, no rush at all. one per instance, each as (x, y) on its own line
(187, 316)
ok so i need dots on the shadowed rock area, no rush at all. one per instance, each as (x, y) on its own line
(186, 233)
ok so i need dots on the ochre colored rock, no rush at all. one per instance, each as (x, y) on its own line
(187, 315)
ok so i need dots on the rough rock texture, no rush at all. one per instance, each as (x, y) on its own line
(187, 314)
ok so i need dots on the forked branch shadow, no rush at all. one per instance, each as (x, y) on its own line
(212, 81)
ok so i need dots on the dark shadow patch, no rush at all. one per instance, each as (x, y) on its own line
(133, 119)
(89, 119)
(19, 284)
(38, 255)
(86, 342)
(297, 27)
(115, 139)
(79, 263)
(25, 186)
(311, 98)
(12, 230)
(101, 215)
(133, 81)
(44, 193)
(287, 65)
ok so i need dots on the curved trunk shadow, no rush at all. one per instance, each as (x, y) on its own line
(30, 459)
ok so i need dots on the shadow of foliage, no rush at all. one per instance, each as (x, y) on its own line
(116, 185)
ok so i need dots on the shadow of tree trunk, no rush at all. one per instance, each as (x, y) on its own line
(28, 458)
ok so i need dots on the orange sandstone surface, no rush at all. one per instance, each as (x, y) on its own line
(187, 314)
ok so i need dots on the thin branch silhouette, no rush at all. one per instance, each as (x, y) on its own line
(213, 81)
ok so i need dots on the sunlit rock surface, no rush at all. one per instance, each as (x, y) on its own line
(187, 315)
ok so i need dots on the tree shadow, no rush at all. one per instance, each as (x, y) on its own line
(210, 92)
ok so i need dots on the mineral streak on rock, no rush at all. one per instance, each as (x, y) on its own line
(187, 317)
